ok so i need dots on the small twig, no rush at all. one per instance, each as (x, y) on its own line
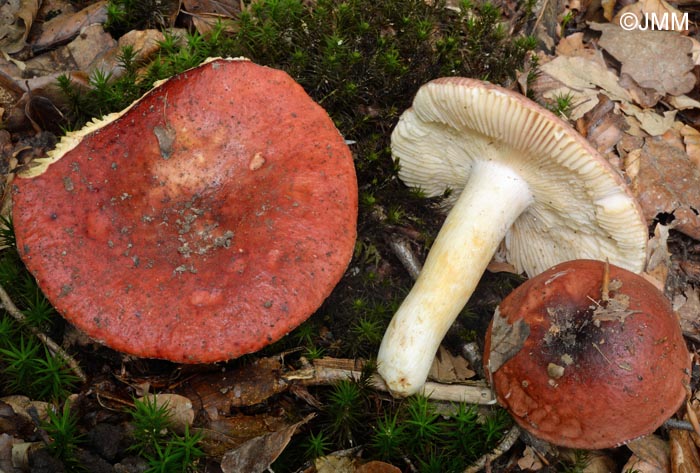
(540, 15)
(17, 314)
(329, 370)
(503, 446)
(595, 345)
(605, 286)
(403, 251)
(679, 424)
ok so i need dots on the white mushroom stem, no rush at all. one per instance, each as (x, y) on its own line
(493, 198)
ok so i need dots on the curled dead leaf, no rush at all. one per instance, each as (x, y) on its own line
(651, 451)
(684, 453)
(257, 454)
(16, 18)
(67, 26)
(660, 60)
(448, 368)
(665, 182)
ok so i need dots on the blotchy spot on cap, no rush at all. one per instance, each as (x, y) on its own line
(98, 226)
(257, 162)
(203, 298)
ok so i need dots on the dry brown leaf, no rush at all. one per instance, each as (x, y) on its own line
(695, 51)
(574, 46)
(648, 120)
(652, 450)
(229, 432)
(640, 95)
(179, 408)
(691, 139)
(608, 8)
(501, 267)
(547, 23)
(665, 181)
(637, 465)
(530, 461)
(660, 60)
(245, 386)
(334, 464)
(65, 27)
(16, 18)
(658, 257)
(580, 73)
(599, 462)
(684, 453)
(41, 86)
(6, 442)
(683, 102)
(229, 8)
(21, 405)
(90, 46)
(447, 368)
(601, 126)
(687, 306)
(145, 43)
(256, 455)
(207, 13)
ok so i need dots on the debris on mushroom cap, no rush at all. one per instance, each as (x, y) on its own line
(521, 178)
(204, 222)
(622, 365)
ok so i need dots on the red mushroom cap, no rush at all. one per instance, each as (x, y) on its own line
(584, 373)
(204, 222)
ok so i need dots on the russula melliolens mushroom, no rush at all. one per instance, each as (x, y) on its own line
(204, 222)
(518, 175)
(587, 360)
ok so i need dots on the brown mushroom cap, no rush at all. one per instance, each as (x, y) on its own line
(204, 222)
(579, 372)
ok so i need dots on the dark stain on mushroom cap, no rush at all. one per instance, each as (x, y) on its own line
(591, 374)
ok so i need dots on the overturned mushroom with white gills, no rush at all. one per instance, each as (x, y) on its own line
(521, 178)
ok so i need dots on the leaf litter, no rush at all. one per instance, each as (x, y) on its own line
(629, 110)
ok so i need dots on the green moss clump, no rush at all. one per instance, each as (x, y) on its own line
(417, 431)
(126, 15)
(26, 365)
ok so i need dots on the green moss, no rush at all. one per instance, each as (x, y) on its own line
(26, 365)
(126, 15)
(64, 437)
(155, 441)
(433, 437)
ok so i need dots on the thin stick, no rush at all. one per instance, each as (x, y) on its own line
(679, 424)
(329, 370)
(605, 287)
(503, 446)
(17, 314)
(402, 250)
